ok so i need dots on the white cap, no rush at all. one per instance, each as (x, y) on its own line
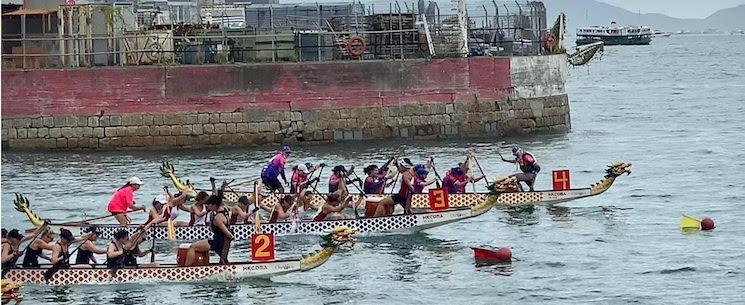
(161, 199)
(303, 168)
(134, 180)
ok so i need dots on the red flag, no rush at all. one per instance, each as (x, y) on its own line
(561, 180)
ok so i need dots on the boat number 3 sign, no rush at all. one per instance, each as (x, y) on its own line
(438, 199)
(262, 247)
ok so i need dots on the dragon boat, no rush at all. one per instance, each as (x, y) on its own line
(405, 223)
(421, 201)
(99, 274)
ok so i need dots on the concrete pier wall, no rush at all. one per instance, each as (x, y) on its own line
(238, 105)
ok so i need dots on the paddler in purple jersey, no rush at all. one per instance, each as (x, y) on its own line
(275, 168)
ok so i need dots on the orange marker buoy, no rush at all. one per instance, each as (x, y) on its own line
(707, 224)
(503, 254)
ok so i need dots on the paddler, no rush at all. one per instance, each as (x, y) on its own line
(221, 235)
(121, 252)
(280, 211)
(239, 214)
(174, 204)
(403, 197)
(457, 178)
(11, 251)
(528, 165)
(275, 168)
(157, 210)
(300, 177)
(88, 248)
(377, 178)
(331, 209)
(61, 250)
(420, 180)
(123, 201)
(198, 211)
(338, 180)
(36, 250)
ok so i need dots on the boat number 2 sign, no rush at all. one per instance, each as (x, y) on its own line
(438, 199)
(262, 247)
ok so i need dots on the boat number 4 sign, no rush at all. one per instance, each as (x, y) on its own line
(561, 180)
(262, 247)
(438, 199)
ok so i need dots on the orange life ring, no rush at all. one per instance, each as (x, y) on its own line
(356, 46)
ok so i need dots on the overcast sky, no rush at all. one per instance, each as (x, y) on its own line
(676, 8)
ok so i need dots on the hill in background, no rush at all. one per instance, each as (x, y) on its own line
(592, 12)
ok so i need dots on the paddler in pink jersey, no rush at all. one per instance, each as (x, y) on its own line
(123, 201)
(528, 165)
(275, 168)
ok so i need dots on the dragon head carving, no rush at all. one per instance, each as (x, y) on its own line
(23, 205)
(167, 170)
(11, 291)
(618, 168)
(504, 184)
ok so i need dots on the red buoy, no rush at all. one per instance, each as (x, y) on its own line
(503, 254)
(707, 224)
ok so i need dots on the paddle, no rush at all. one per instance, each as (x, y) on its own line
(432, 160)
(482, 170)
(86, 221)
(152, 250)
(65, 259)
(362, 193)
(322, 165)
(245, 181)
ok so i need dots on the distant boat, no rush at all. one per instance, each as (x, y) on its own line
(658, 33)
(614, 35)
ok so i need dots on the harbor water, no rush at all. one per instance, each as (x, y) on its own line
(675, 109)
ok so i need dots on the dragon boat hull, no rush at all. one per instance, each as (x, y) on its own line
(396, 223)
(163, 273)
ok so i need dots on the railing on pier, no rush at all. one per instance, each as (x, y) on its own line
(402, 31)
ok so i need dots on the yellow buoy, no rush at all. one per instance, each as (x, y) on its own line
(688, 222)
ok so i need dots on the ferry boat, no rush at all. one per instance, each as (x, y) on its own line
(614, 35)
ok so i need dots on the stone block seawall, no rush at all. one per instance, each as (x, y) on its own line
(239, 105)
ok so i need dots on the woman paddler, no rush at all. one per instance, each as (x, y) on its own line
(61, 249)
(123, 201)
(221, 235)
(275, 168)
(300, 177)
(457, 178)
(123, 251)
(11, 251)
(171, 210)
(243, 212)
(375, 183)
(280, 211)
(36, 250)
(528, 165)
(198, 211)
(331, 209)
(88, 248)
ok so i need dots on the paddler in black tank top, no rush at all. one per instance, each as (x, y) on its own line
(11, 251)
(220, 242)
(123, 250)
(61, 249)
(35, 250)
(86, 251)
